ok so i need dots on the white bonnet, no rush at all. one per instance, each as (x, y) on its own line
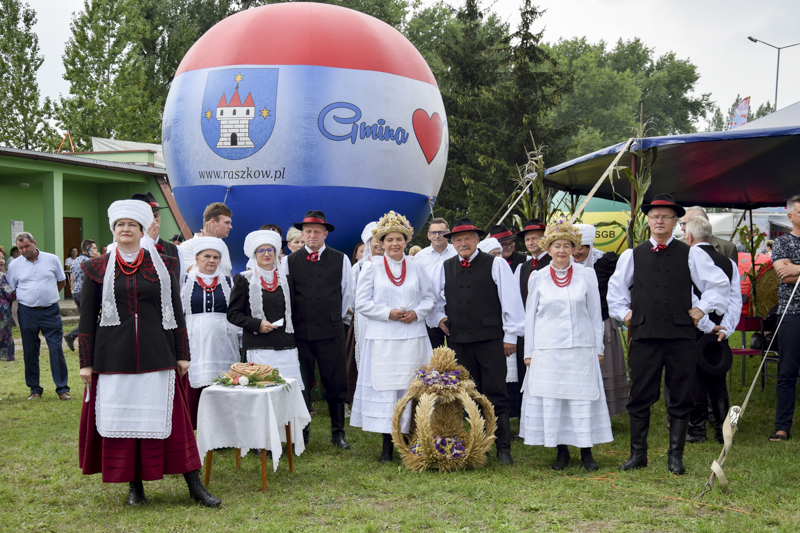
(209, 243)
(136, 210)
(587, 234)
(255, 239)
(487, 245)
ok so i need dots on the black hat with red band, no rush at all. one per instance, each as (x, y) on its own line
(314, 217)
(149, 198)
(531, 225)
(462, 225)
(501, 232)
(664, 200)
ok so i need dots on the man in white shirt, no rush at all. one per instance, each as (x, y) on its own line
(439, 250)
(37, 277)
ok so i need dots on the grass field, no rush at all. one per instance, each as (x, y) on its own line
(42, 489)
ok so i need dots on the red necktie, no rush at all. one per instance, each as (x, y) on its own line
(535, 263)
(465, 263)
(658, 247)
(313, 257)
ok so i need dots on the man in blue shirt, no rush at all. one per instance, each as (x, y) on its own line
(37, 277)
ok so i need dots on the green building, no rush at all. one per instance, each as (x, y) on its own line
(63, 198)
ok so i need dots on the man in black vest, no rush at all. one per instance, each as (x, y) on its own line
(507, 241)
(651, 291)
(478, 305)
(320, 294)
(708, 385)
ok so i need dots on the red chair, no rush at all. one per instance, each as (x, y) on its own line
(748, 323)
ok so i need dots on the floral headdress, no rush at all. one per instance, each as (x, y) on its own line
(561, 228)
(391, 222)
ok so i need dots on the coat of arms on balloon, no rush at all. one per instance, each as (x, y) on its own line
(238, 113)
(288, 107)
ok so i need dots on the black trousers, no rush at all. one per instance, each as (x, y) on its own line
(330, 355)
(707, 386)
(486, 364)
(677, 359)
(437, 337)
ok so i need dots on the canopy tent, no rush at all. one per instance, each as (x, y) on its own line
(752, 166)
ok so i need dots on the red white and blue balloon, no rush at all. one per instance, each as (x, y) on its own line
(290, 107)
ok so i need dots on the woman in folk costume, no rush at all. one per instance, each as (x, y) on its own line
(129, 361)
(563, 399)
(396, 297)
(261, 305)
(213, 341)
(615, 374)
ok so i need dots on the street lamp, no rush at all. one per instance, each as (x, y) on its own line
(778, 48)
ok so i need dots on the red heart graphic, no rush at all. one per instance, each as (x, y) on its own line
(429, 132)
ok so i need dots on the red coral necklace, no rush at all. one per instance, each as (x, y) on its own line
(396, 280)
(129, 269)
(208, 288)
(272, 285)
(561, 282)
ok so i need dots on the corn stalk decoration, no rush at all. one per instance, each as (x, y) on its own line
(537, 199)
(752, 239)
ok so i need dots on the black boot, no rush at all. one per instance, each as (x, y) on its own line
(198, 492)
(306, 434)
(677, 441)
(503, 440)
(337, 425)
(136, 493)
(588, 461)
(720, 407)
(697, 423)
(562, 457)
(639, 429)
(70, 340)
(388, 449)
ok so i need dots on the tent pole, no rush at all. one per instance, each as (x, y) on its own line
(588, 197)
(634, 200)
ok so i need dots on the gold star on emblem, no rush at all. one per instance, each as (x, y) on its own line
(265, 112)
(238, 78)
(208, 114)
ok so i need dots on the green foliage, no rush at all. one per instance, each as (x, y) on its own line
(720, 122)
(23, 121)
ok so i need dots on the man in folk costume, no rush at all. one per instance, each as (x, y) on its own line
(712, 332)
(531, 235)
(615, 375)
(651, 290)
(320, 298)
(479, 306)
(507, 241)
(135, 424)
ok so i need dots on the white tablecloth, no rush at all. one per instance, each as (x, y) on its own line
(251, 419)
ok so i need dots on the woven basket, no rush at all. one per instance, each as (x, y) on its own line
(439, 412)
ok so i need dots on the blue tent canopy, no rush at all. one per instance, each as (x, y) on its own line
(755, 165)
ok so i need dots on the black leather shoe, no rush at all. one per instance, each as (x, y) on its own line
(697, 424)
(306, 434)
(338, 440)
(677, 442)
(721, 412)
(198, 491)
(387, 450)
(588, 461)
(504, 457)
(136, 493)
(70, 340)
(336, 411)
(503, 441)
(562, 457)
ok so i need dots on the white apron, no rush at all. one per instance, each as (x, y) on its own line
(137, 406)
(394, 362)
(214, 345)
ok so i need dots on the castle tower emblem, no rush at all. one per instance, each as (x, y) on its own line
(234, 120)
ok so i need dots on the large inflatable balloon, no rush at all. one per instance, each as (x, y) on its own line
(290, 107)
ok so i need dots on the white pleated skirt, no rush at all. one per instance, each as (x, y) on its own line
(551, 421)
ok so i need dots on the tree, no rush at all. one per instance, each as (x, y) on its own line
(92, 60)
(720, 122)
(23, 121)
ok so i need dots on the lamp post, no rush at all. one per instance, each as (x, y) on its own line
(777, 74)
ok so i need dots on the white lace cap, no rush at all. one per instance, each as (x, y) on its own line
(142, 213)
(489, 244)
(209, 243)
(366, 236)
(255, 239)
(587, 234)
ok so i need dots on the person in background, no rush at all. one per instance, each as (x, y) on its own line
(439, 250)
(614, 370)
(507, 241)
(6, 319)
(37, 278)
(71, 256)
(217, 222)
(88, 251)
(564, 403)
(786, 258)
(213, 341)
(135, 425)
(479, 306)
(294, 239)
(768, 247)
(177, 239)
(726, 248)
(104, 250)
(491, 246)
(12, 254)
(414, 250)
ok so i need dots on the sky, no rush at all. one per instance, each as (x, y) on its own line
(711, 33)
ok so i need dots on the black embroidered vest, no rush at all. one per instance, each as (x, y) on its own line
(317, 294)
(473, 309)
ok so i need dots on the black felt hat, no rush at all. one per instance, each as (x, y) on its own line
(501, 232)
(149, 198)
(531, 225)
(462, 225)
(314, 217)
(714, 357)
(664, 200)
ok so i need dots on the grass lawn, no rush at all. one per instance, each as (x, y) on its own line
(42, 489)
